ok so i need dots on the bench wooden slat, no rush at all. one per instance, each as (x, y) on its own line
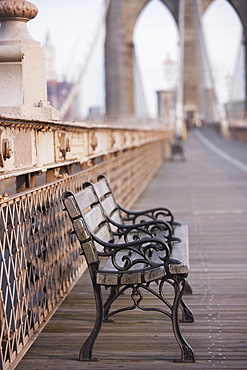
(127, 277)
(104, 234)
(94, 217)
(109, 205)
(85, 198)
(101, 187)
(115, 217)
(180, 251)
(71, 207)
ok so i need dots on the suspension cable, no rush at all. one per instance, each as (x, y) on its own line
(75, 88)
(140, 99)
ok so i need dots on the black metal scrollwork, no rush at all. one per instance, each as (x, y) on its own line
(128, 255)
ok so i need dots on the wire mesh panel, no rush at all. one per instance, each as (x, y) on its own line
(39, 262)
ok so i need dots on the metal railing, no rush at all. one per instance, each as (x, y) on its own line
(40, 259)
(39, 262)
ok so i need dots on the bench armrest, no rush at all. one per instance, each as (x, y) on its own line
(126, 256)
(147, 228)
(152, 213)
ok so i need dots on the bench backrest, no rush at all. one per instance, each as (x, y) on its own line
(87, 216)
(107, 199)
(93, 230)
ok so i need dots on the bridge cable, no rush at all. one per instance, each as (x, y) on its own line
(75, 88)
(210, 102)
(208, 95)
(141, 110)
(236, 107)
(180, 84)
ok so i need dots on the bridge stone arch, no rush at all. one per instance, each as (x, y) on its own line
(240, 6)
(119, 51)
(136, 8)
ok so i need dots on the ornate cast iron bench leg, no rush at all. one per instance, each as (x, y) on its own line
(107, 305)
(187, 354)
(188, 289)
(187, 315)
(179, 285)
(87, 348)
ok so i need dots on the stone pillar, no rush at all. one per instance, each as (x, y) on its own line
(23, 91)
(119, 51)
(190, 63)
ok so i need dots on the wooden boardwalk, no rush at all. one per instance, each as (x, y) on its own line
(209, 193)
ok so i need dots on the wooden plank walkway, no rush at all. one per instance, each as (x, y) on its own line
(209, 193)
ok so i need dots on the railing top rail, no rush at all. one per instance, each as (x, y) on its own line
(128, 124)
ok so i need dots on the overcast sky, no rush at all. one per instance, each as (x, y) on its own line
(73, 24)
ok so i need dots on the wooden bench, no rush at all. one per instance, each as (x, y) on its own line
(143, 264)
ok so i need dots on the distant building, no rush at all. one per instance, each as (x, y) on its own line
(57, 91)
(236, 111)
(51, 61)
(167, 105)
(94, 114)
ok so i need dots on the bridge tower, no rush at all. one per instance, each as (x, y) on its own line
(119, 51)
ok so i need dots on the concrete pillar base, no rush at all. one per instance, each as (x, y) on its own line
(23, 90)
(41, 113)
